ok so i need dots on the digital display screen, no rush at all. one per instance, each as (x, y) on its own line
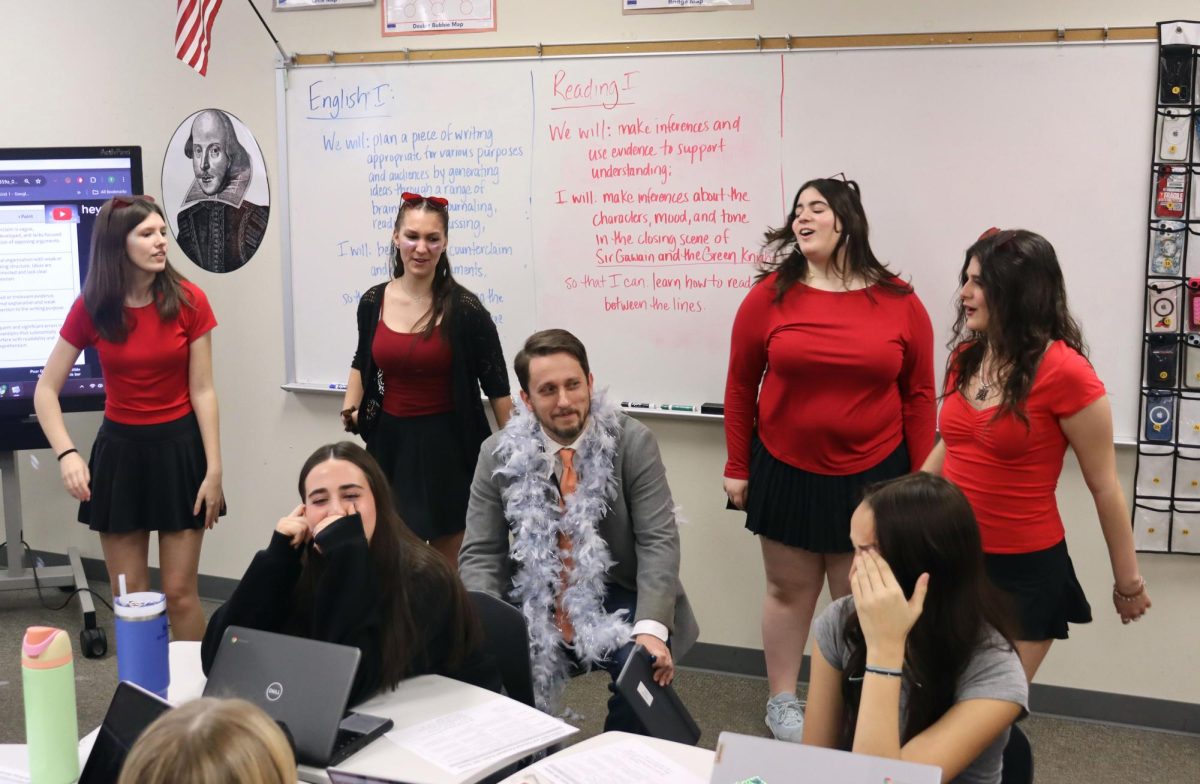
(49, 199)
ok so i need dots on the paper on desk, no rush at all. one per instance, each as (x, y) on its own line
(615, 763)
(470, 739)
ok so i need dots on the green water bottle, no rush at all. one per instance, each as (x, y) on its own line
(51, 725)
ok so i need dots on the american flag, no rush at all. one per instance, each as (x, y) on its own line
(193, 31)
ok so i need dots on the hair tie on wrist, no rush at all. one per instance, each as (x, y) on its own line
(67, 452)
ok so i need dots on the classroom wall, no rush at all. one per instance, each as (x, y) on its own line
(103, 72)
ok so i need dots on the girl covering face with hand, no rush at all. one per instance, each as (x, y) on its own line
(916, 664)
(342, 567)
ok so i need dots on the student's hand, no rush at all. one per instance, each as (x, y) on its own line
(295, 527)
(735, 491)
(330, 520)
(211, 497)
(885, 615)
(1131, 611)
(664, 665)
(76, 477)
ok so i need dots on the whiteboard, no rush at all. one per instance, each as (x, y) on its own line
(625, 198)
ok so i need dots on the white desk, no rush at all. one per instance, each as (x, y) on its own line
(413, 702)
(697, 761)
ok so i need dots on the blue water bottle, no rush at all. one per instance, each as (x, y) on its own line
(142, 657)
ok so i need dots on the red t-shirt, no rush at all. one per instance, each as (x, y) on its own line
(845, 377)
(1009, 473)
(146, 376)
(416, 372)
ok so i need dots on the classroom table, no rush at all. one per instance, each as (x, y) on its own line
(697, 761)
(414, 701)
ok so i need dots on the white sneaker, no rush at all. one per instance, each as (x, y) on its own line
(785, 717)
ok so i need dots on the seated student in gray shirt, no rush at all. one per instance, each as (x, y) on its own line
(930, 678)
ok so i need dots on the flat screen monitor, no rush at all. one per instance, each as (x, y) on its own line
(49, 199)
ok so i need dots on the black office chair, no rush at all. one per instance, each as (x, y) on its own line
(1018, 759)
(506, 638)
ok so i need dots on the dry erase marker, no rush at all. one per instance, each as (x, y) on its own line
(675, 407)
(635, 405)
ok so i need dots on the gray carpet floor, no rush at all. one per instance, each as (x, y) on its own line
(1065, 751)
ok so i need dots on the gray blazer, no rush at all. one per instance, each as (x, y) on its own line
(640, 531)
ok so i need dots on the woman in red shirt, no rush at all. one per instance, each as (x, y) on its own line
(426, 346)
(830, 388)
(156, 461)
(1018, 390)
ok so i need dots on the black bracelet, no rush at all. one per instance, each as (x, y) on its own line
(67, 452)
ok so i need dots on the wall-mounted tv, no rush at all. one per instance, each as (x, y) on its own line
(49, 198)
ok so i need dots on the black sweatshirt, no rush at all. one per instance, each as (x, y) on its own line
(345, 608)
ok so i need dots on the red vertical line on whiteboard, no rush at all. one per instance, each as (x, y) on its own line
(782, 192)
(532, 154)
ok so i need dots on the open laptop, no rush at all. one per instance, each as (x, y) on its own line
(303, 684)
(657, 707)
(741, 759)
(130, 712)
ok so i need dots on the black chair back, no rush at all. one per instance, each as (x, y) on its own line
(1018, 759)
(506, 638)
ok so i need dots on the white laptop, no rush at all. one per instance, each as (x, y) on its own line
(744, 759)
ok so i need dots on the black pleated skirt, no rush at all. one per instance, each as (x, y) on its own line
(422, 458)
(145, 477)
(811, 511)
(1045, 593)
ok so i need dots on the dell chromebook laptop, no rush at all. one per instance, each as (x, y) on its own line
(302, 684)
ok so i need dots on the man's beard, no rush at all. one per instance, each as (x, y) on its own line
(568, 434)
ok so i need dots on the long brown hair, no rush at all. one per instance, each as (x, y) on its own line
(1027, 308)
(923, 523)
(108, 278)
(407, 572)
(845, 200)
(445, 287)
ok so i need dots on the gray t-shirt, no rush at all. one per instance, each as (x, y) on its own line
(993, 673)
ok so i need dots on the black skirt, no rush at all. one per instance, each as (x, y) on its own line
(422, 458)
(145, 477)
(1044, 591)
(811, 511)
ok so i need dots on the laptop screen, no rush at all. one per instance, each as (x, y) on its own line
(130, 712)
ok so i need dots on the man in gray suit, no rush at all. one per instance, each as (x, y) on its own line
(572, 520)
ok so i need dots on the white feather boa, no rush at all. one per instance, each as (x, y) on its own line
(531, 506)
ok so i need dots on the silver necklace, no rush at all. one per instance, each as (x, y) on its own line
(414, 297)
(985, 386)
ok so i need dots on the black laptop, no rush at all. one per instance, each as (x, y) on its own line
(130, 712)
(657, 707)
(303, 684)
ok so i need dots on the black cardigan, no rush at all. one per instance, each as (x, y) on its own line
(345, 609)
(476, 361)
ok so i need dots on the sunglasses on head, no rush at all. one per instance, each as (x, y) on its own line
(415, 199)
(1001, 236)
(121, 202)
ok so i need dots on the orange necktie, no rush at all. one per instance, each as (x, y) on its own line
(566, 486)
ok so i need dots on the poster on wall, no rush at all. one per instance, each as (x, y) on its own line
(292, 5)
(659, 6)
(215, 191)
(420, 17)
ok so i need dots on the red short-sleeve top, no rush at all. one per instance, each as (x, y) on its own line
(1009, 472)
(146, 376)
